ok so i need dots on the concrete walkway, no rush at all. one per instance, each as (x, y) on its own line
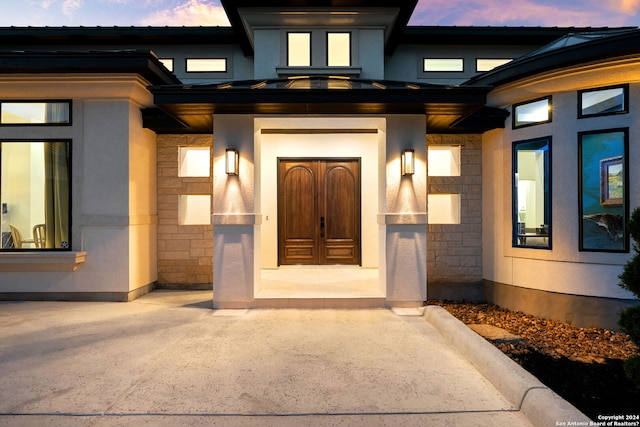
(167, 359)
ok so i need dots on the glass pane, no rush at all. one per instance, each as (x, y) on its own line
(531, 200)
(168, 63)
(532, 113)
(211, 65)
(603, 161)
(35, 113)
(194, 210)
(489, 64)
(444, 208)
(443, 64)
(600, 102)
(444, 161)
(299, 49)
(338, 49)
(194, 161)
(35, 195)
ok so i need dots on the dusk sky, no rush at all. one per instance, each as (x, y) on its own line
(587, 13)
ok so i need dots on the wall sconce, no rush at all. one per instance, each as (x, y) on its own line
(408, 162)
(231, 159)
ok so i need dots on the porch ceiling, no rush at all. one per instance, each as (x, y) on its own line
(449, 109)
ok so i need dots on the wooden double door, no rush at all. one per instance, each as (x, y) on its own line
(318, 211)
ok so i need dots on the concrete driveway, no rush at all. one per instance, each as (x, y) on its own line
(167, 359)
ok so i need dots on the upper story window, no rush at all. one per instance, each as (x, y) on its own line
(167, 62)
(488, 64)
(532, 193)
(532, 112)
(339, 49)
(455, 65)
(206, 65)
(35, 194)
(603, 101)
(35, 113)
(299, 49)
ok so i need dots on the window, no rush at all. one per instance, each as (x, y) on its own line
(532, 193)
(603, 193)
(443, 160)
(207, 65)
(603, 101)
(35, 113)
(168, 63)
(486, 64)
(443, 64)
(194, 209)
(339, 49)
(532, 112)
(444, 208)
(299, 49)
(35, 194)
(194, 161)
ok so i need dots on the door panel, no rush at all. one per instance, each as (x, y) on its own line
(319, 211)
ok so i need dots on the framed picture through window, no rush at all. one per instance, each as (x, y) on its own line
(603, 194)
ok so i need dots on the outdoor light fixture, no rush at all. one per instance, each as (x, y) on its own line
(408, 162)
(231, 159)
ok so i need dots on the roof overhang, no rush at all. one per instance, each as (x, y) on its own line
(141, 62)
(246, 15)
(449, 109)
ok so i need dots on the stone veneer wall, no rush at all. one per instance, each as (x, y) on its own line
(454, 251)
(185, 252)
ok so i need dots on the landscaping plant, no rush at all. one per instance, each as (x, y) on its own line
(630, 280)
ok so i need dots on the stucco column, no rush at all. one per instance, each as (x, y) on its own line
(404, 213)
(234, 219)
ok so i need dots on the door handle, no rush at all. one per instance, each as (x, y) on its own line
(321, 226)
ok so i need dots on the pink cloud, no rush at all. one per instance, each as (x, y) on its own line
(190, 13)
(520, 12)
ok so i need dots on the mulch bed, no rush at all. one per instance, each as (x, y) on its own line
(583, 365)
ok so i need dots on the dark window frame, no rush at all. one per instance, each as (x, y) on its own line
(69, 143)
(625, 105)
(38, 101)
(226, 66)
(326, 38)
(625, 196)
(515, 240)
(514, 111)
(288, 52)
(424, 70)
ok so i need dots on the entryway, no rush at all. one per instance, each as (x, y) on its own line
(318, 211)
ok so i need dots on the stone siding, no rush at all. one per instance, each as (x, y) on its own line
(454, 251)
(185, 252)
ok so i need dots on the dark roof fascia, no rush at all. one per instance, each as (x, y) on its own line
(603, 49)
(231, 8)
(165, 95)
(455, 35)
(100, 36)
(141, 62)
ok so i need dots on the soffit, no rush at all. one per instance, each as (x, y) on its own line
(448, 109)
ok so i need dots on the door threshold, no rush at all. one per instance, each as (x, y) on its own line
(321, 303)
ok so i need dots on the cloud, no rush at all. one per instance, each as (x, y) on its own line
(630, 7)
(191, 13)
(516, 13)
(70, 6)
(46, 3)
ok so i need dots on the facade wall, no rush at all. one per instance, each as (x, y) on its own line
(185, 252)
(454, 255)
(563, 269)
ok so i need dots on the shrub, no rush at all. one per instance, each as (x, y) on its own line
(630, 280)
(632, 369)
(629, 322)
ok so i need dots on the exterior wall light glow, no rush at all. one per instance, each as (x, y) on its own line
(231, 161)
(408, 162)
